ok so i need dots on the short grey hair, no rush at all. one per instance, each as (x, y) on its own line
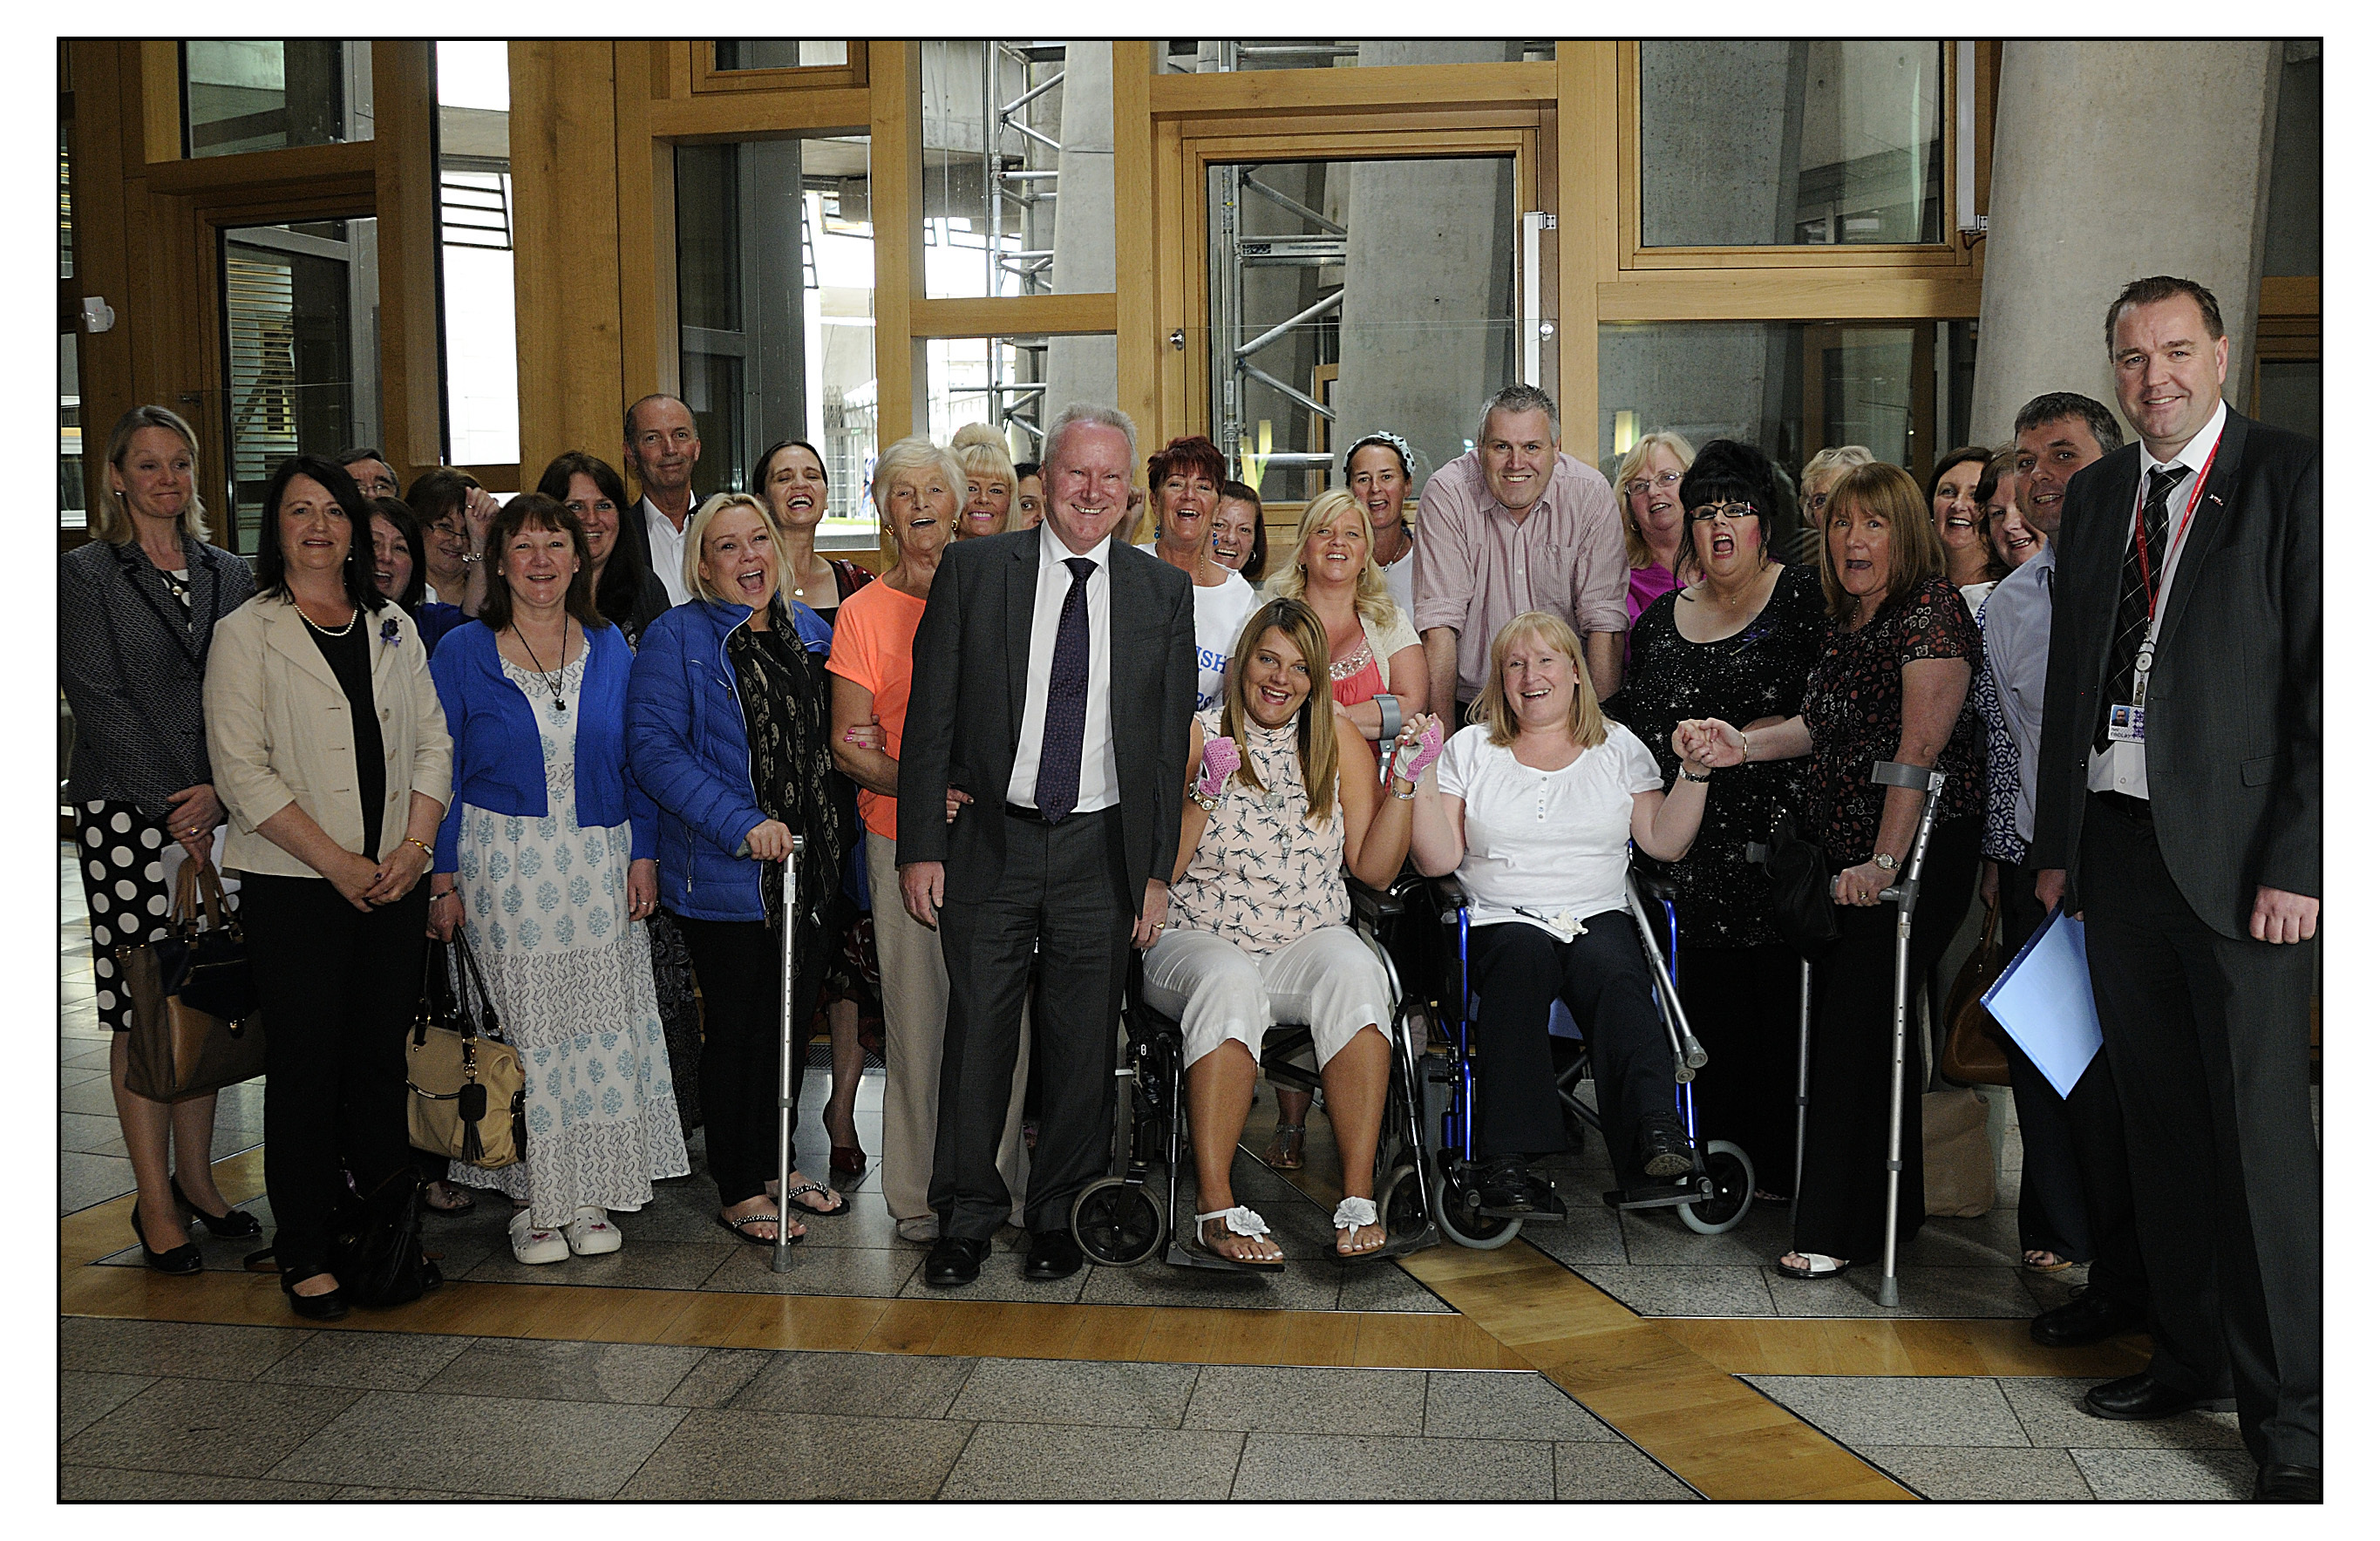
(1088, 412)
(1521, 398)
(918, 453)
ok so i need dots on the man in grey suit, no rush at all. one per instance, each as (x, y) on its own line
(2180, 811)
(1054, 675)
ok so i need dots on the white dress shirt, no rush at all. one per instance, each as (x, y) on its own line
(2123, 765)
(2016, 646)
(1098, 788)
(666, 541)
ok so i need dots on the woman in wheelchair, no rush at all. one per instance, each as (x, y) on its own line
(1533, 808)
(1258, 928)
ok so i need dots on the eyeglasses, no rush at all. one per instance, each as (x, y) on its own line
(1638, 488)
(1736, 513)
(1815, 501)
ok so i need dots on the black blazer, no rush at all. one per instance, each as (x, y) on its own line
(966, 707)
(2235, 695)
(133, 667)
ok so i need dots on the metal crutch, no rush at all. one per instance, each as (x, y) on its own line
(781, 1256)
(1686, 1053)
(1903, 894)
(1801, 1101)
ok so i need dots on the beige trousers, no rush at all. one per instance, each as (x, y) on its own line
(916, 1002)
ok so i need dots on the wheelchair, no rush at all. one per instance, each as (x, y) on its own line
(1129, 1215)
(1712, 1197)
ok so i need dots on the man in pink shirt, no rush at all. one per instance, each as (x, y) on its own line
(1515, 525)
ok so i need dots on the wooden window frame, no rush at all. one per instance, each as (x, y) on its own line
(704, 76)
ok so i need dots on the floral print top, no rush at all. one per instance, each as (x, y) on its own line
(1264, 874)
(1853, 708)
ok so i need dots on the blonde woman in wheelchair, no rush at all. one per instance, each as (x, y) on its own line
(1257, 930)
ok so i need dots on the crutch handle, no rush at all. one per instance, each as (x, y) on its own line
(1892, 772)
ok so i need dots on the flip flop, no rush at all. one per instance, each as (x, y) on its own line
(1240, 1220)
(812, 1211)
(766, 1217)
(1809, 1269)
(1354, 1214)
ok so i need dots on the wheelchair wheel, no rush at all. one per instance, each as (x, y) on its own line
(1117, 1222)
(1731, 1175)
(1404, 1208)
(1462, 1223)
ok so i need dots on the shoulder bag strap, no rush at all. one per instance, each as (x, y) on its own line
(467, 973)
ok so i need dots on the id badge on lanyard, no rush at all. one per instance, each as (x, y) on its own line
(2128, 721)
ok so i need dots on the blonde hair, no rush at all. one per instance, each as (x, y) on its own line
(1317, 731)
(914, 453)
(981, 451)
(1917, 553)
(1492, 709)
(697, 531)
(1372, 601)
(112, 520)
(1639, 554)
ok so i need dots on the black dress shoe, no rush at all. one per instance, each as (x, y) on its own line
(232, 1223)
(954, 1261)
(173, 1259)
(2276, 1483)
(1662, 1146)
(2139, 1399)
(1054, 1254)
(328, 1306)
(2093, 1315)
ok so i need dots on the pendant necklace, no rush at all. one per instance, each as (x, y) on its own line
(551, 682)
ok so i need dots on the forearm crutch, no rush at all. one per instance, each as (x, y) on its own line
(780, 1257)
(1686, 1055)
(1903, 896)
(1802, 1098)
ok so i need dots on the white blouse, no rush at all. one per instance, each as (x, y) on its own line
(1551, 842)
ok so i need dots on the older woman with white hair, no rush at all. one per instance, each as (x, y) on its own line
(1806, 545)
(727, 735)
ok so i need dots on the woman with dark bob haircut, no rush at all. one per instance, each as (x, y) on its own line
(331, 752)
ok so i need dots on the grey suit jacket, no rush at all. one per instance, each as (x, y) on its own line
(966, 707)
(2235, 695)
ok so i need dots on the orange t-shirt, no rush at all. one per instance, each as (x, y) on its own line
(872, 634)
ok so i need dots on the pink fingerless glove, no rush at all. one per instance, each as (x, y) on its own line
(1414, 758)
(1215, 765)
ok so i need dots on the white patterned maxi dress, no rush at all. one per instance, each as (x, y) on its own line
(545, 905)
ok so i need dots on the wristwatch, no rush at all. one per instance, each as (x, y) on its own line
(1885, 862)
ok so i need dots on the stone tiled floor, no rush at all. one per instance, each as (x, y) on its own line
(160, 1409)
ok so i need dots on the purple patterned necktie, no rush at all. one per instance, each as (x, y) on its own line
(1061, 777)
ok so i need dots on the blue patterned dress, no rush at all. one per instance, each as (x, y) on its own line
(545, 905)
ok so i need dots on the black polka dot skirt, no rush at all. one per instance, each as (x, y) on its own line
(122, 855)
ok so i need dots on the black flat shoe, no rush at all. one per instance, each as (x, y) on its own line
(2092, 1316)
(2278, 1483)
(2142, 1398)
(176, 1260)
(1662, 1146)
(237, 1222)
(1054, 1254)
(954, 1261)
(328, 1306)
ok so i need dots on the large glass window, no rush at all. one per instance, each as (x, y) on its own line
(1016, 202)
(1016, 383)
(1900, 388)
(239, 96)
(302, 305)
(475, 254)
(776, 298)
(1375, 295)
(778, 53)
(1791, 143)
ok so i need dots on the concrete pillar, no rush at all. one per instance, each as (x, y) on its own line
(1426, 329)
(1084, 369)
(2111, 162)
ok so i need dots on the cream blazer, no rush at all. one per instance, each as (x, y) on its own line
(278, 732)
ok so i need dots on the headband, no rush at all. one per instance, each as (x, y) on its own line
(1404, 454)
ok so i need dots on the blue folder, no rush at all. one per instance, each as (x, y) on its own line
(2042, 1000)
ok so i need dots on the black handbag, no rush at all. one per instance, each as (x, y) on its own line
(376, 1245)
(1801, 888)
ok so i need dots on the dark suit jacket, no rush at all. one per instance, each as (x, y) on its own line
(2235, 696)
(966, 707)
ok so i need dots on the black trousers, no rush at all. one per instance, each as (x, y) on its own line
(2207, 1038)
(1745, 1005)
(338, 987)
(739, 967)
(1516, 971)
(1839, 1210)
(1063, 885)
(2053, 1212)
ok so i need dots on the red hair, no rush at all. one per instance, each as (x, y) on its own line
(1196, 455)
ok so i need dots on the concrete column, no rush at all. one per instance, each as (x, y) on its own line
(1084, 369)
(2111, 162)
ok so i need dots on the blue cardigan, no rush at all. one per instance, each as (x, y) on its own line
(498, 765)
(690, 752)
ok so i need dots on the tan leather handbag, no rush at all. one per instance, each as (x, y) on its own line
(1972, 1056)
(195, 1024)
(466, 1097)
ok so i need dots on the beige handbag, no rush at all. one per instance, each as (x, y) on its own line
(195, 1024)
(466, 1097)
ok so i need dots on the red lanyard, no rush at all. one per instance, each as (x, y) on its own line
(2155, 584)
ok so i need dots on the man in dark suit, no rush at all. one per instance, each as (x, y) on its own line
(2180, 811)
(1054, 675)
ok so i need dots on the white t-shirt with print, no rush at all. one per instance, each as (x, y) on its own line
(1552, 841)
(1219, 613)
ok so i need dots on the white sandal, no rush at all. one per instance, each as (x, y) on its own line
(1814, 1265)
(591, 1231)
(1239, 1220)
(1353, 1215)
(534, 1243)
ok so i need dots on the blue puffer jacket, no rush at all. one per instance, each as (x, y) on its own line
(688, 750)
